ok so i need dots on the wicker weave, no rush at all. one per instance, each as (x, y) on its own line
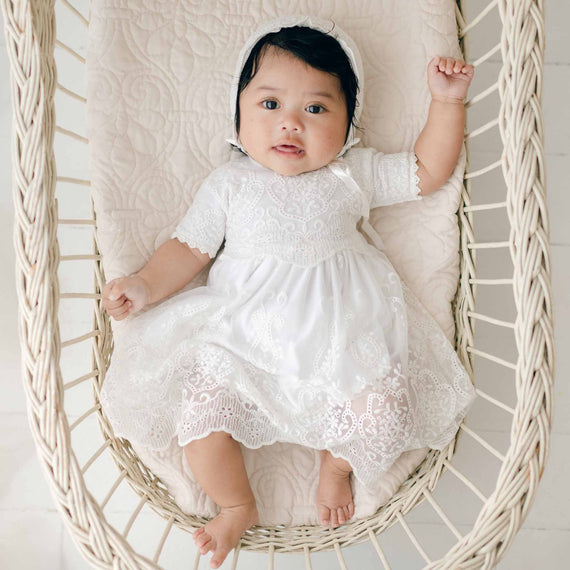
(30, 39)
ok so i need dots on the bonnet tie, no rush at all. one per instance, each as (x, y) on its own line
(340, 170)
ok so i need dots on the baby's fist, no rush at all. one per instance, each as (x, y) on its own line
(125, 296)
(449, 78)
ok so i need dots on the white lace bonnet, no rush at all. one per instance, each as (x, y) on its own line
(326, 26)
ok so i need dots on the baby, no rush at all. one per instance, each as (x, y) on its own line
(300, 333)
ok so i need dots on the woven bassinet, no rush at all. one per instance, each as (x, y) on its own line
(517, 193)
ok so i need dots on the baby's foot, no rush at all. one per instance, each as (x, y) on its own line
(223, 532)
(334, 495)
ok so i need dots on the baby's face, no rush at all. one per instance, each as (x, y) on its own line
(293, 117)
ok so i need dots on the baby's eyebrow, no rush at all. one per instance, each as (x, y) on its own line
(324, 94)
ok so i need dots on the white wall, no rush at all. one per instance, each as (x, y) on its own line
(31, 532)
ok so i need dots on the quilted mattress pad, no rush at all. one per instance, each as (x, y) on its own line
(158, 82)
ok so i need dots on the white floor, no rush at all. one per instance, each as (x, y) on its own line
(31, 532)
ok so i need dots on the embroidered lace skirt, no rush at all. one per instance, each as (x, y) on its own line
(338, 356)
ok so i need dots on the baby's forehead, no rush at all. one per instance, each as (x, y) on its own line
(276, 54)
(275, 62)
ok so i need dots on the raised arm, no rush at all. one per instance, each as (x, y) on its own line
(439, 144)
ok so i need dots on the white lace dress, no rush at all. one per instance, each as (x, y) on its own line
(304, 332)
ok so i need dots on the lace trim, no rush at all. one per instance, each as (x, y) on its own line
(398, 178)
(399, 413)
(414, 178)
(370, 450)
(386, 178)
(194, 242)
(231, 416)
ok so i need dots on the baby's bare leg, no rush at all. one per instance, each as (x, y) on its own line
(217, 464)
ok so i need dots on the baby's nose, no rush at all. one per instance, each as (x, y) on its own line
(292, 122)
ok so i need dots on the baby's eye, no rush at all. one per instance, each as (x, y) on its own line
(271, 105)
(319, 109)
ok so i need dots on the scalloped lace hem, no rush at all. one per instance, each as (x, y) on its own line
(370, 457)
(414, 177)
(211, 251)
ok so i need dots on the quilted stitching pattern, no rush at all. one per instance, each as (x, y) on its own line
(158, 83)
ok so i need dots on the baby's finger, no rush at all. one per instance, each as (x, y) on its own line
(115, 291)
(117, 288)
(108, 290)
(123, 312)
(449, 66)
(111, 305)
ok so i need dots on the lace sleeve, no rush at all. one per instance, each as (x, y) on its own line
(204, 224)
(387, 178)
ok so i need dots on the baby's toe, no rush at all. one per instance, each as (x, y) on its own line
(324, 515)
(203, 539)
(334, 517)
(219, 556)
(197, 533)
(341, 515)
(207, 546)
(351, 509)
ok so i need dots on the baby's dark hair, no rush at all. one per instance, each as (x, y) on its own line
(319, 50)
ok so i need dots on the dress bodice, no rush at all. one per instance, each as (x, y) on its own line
(300, 219)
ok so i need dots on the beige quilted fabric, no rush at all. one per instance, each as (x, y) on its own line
(159, 76)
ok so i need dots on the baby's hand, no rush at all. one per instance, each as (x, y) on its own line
(125, 296)
(449, 78)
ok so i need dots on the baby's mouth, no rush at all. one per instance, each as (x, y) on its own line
(289, 149)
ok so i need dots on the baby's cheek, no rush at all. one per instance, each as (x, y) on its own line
(335, 141)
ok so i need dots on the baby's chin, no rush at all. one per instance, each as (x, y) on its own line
(294, 172)
(288, 167)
